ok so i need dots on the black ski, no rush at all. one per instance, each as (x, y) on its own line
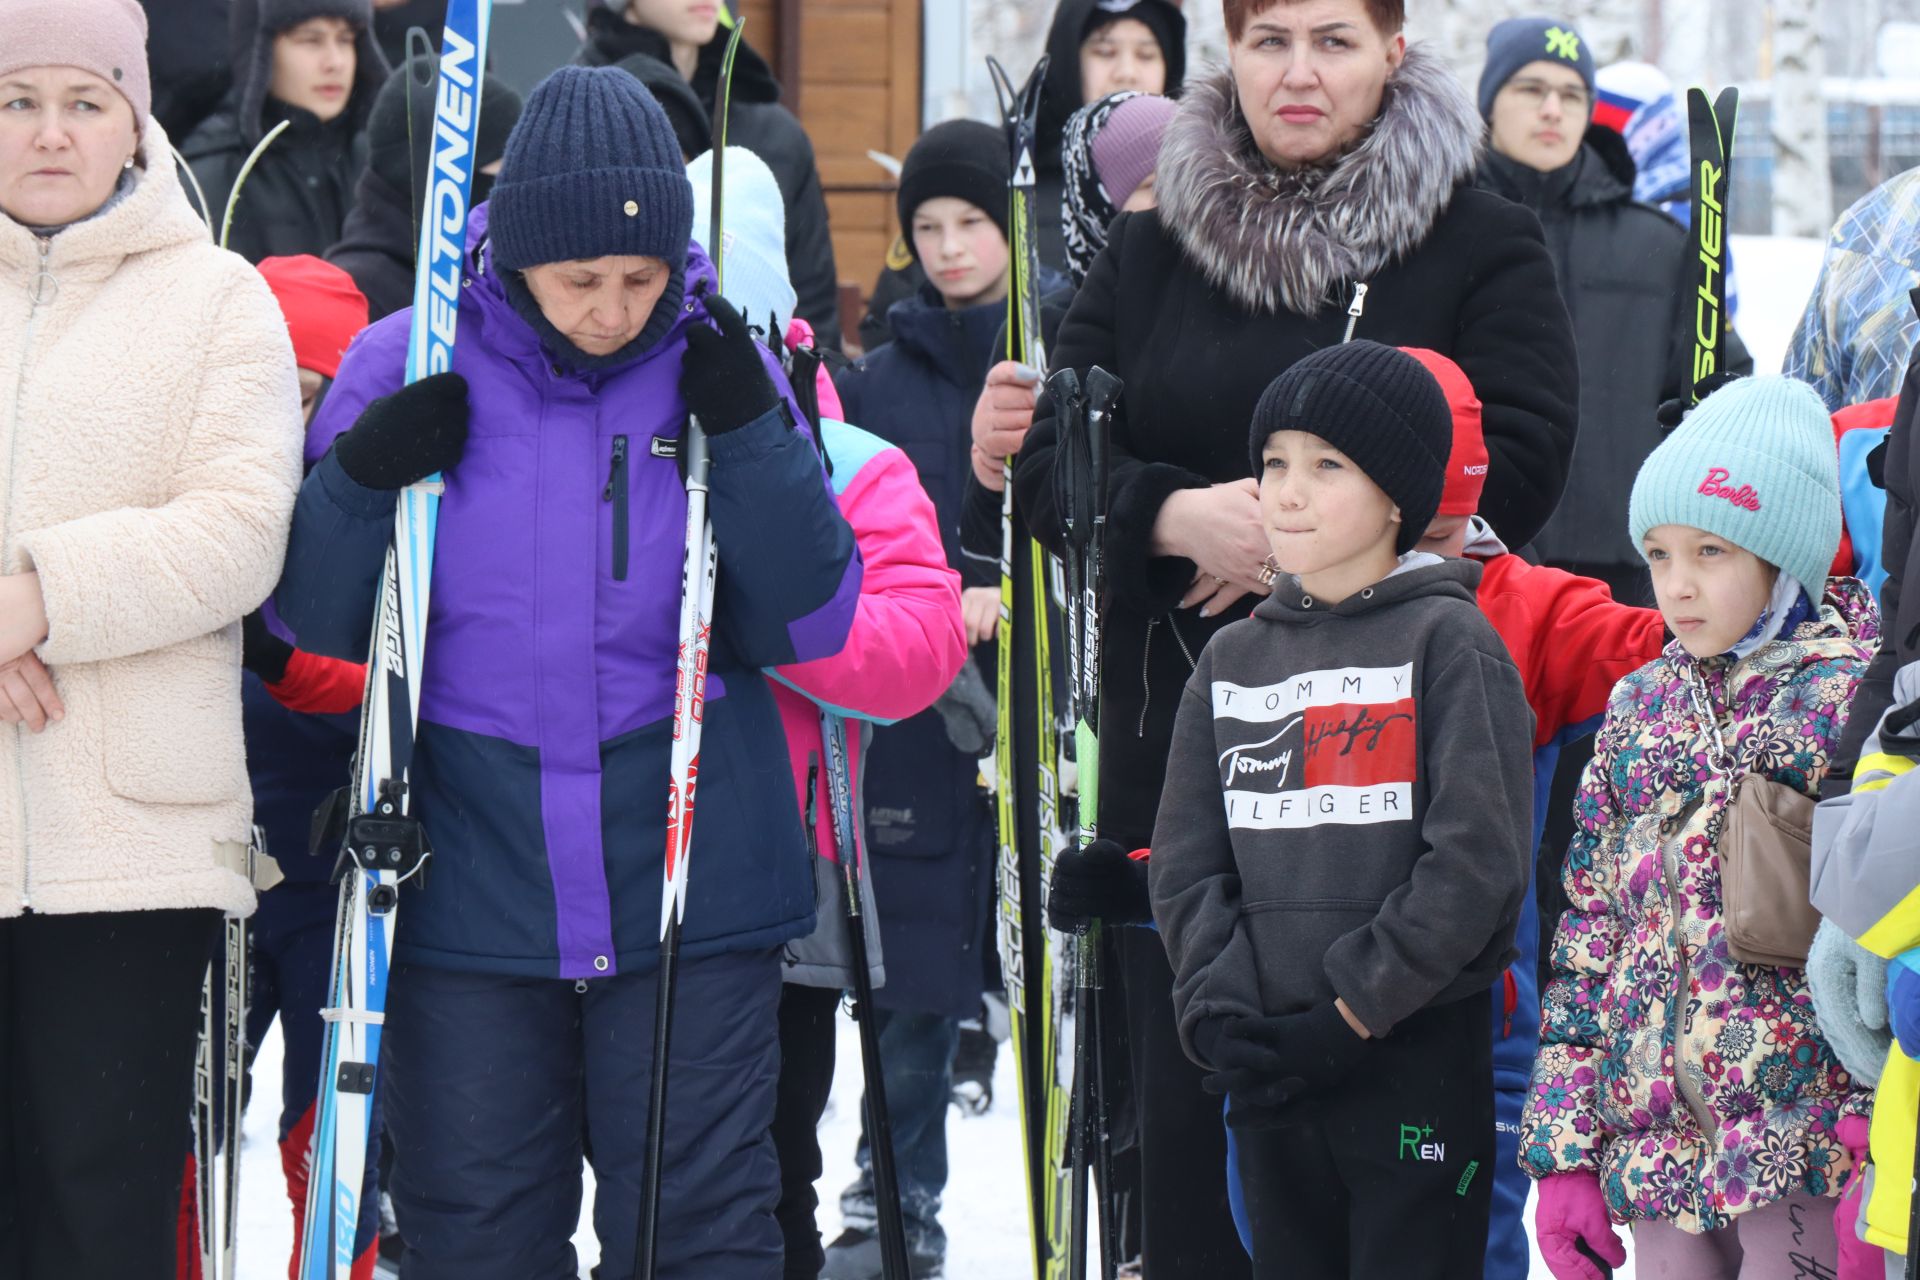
(1710, 135)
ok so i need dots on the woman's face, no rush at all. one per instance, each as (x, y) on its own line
(313, 66)
(65, 136)
(599, 304)
(1310, 75)
(1123, 54)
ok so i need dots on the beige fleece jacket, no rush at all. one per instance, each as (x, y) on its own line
(150, 436)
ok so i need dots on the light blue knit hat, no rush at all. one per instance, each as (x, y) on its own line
(1755, 464)
(754, 273)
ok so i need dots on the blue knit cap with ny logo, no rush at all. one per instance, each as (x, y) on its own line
(1517, 42)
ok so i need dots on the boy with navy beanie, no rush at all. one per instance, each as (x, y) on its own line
(1343, 841)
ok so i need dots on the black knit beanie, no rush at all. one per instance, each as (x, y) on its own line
(960, 158)
(591, 169)
(388, 134)
(1380, 407)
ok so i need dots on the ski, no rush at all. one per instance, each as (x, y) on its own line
(1033, 961)
(1085, 417)
(1710, 128)
(384, 844)
(697, 577)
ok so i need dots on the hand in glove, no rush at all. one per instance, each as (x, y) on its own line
(1849, 986)
(1571, 1213)
(723, 377)
(1098, 882)
(967, 710)
(403, 438)
(262, 652)
(1283, 1058)
(1672, 413)
(1246, 1071)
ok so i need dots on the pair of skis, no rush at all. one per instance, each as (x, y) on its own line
(1710, 127)
(1085, 417)
(385, 844)
(217, 1106)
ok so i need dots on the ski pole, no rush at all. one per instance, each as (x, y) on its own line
(846, 838)
(689, 706)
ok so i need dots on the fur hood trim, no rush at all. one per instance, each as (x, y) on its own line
(1272, 238)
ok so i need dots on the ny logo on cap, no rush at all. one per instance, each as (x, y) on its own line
(1562, 43)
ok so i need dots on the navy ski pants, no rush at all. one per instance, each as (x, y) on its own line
(492, 1082)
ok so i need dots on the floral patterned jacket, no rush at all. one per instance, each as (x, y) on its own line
(1696, 1087)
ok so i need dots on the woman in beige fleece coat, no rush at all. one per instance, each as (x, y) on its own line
(149, 454)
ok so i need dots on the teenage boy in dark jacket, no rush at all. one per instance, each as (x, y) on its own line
(1342, 844)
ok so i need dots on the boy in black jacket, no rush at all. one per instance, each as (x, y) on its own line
(1343, 842)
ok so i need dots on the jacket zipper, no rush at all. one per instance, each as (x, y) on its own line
(616, 493)
(1146, 661)
(38, 295)
(1704, 711)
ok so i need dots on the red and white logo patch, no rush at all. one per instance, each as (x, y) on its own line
(1333, 746)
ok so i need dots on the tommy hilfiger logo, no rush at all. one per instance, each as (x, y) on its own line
(1716, 486)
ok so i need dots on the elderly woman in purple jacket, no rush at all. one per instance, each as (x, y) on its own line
(521, 1005)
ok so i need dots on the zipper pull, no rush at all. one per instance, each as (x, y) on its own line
(613, 470)
(1356, 309)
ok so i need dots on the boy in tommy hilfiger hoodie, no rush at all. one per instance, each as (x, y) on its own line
(1342, 846)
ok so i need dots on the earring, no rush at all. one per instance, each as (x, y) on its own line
(1270, 571)
(128, 164)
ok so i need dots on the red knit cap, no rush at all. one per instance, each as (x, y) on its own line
(323, 307)
(1467, 464)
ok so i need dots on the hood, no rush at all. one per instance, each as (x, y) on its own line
(1482, 542)
(1064, 93)
(691, 123)
(1847, 621)
(250, 44)
(610, 38)
(380, 221)
(155, 214)
(1418, 574)
(1274, 239)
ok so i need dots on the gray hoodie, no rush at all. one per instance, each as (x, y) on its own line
(1348, 805)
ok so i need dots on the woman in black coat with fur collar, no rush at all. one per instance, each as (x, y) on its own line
(1356, 170)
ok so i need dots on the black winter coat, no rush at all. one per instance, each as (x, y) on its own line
(376, 246)
(758, 122)
(1191, 306)
(1622, 271)
(929, 826)
(297, 197)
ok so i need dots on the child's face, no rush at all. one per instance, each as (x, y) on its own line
(961, 250)
(1709, 591)
(313, 66)
(1446, 536)
(1320, 511)
(311, 381)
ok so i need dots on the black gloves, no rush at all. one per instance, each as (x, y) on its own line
(723, 377)
(969, 713)
(262, 652)
(405, 437)
(1264, 1063)
(1672, 413)
(1099, 882)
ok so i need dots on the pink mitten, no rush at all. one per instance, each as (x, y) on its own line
(1570, 1210)
(1858, 1259)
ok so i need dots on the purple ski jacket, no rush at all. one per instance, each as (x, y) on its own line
(547, 690)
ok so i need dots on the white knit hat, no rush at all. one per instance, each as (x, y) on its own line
(753, 259)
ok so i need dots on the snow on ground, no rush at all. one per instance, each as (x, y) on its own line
(985, 1215)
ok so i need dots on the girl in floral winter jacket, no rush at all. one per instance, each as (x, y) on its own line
(1677, 1089)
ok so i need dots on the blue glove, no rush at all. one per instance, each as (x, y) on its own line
(1849, 986)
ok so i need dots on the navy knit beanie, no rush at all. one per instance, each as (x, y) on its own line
(591, 169)
(1516, 42)
(1380, 407)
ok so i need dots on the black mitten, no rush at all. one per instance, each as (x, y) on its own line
(262, 652)
(405, 437)
(1672, 413)
(723, 376)
(1314, 1051)
(1098, 882)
